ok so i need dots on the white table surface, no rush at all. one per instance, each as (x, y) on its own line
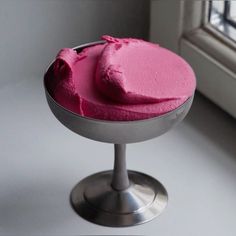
(41, 161)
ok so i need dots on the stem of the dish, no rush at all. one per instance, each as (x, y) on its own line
(120, 179)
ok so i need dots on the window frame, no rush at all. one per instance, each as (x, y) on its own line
(224, 20)
(226, 15)
(186, 31)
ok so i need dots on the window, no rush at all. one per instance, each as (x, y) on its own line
(222, 16)
(191, 29)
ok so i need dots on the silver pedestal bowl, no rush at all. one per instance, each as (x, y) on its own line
(117, 197)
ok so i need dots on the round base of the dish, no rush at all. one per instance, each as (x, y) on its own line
(96, 201)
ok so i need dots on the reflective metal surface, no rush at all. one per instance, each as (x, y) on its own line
(117, 198)
(95, 200)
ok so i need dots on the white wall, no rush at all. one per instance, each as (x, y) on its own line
(32, 31)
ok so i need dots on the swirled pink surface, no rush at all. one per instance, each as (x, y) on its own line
(122, 80)
(133, 71)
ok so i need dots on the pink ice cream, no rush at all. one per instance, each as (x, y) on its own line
(132, 71)
(122, 80)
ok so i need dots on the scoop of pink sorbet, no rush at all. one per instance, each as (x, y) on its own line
(133, 71)
(121, 80)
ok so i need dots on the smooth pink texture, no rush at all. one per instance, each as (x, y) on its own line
(75, 88)
(132, 71)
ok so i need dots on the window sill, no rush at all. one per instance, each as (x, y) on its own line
(219, 47)
(215, 69)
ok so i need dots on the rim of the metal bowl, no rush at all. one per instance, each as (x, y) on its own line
(108, 121)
